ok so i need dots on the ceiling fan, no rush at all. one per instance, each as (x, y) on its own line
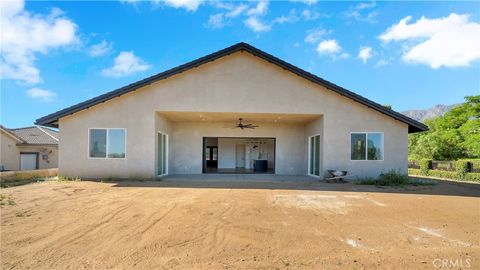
(244, 126)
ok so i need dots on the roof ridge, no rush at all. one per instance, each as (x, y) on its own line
(52, 119)
(22, 128)
(56, 139)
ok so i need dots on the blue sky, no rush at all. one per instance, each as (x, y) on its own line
(411, 55)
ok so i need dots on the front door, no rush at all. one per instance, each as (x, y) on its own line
(28, 161)
(211, 153)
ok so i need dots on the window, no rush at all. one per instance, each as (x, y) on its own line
(366, 146)
(162, 154)
(314, 153)
(107, 143)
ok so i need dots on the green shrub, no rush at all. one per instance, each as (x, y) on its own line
(391, 178)
(462, 167)
(62, 178)
(414, 172)
(474, 177)
(394, 178)
(444, 174)
(366, 181)
(425, 165)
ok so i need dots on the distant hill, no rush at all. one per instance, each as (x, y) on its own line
(435, 111)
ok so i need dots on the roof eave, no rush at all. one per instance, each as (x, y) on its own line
(51, 120)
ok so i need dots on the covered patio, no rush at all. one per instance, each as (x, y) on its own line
(206, 142)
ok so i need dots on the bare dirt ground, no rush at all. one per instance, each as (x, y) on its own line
(161, 225)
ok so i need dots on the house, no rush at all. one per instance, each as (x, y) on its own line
(186, 120)
(28, 148)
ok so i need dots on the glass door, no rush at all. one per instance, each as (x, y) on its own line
(314, 155)
(162, 154)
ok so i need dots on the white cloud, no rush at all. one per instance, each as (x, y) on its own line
(220, 20)
(363, 12)
(190, 5)
(125, 63)
(41, 94)
(25, 34)
(234, 12)
(132, 2)
(365, 53)
(314, 35)
(329, 46)
(260, 9)
(451, 41)
(309, 15)
(216, 21)
(290, 18)
(100, 49)
(307, 2)
(221, 4)
(257, 25)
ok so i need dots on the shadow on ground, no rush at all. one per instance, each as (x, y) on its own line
(283, 182)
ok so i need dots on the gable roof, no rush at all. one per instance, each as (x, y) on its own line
(35, 135)
(52, 119)
(11, 134)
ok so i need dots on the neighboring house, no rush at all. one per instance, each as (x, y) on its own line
(28, 148)
(182, 121)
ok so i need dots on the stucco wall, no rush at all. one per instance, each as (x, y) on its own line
(10, 157)
(236, 83)
(51, 151)
(10, 153)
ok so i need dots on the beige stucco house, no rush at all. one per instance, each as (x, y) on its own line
(28, 148)
(186, 121)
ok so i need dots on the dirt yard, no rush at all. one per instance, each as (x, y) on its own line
(162, 225)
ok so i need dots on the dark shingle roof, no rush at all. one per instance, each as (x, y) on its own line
(35, 135)
(52, 119)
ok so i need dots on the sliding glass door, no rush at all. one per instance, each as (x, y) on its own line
(162, 154)
(314, 155)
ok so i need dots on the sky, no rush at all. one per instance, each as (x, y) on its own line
(411, 55)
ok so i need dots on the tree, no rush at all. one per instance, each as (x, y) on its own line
(452, 136)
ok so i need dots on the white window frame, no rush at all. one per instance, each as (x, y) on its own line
(366, 145)
(319, 156)
(106, 146)
(166, 154)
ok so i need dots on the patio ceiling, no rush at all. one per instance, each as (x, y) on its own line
(233, 117)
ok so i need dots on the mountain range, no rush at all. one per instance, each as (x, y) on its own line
(422, 115)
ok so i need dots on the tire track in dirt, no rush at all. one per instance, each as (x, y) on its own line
(217, 230)
(155, 222)
(91, 229)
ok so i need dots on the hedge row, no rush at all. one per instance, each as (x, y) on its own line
(473, 177)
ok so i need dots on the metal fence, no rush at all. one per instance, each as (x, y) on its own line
(475, 166)
(443, 165)
(412, 164)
